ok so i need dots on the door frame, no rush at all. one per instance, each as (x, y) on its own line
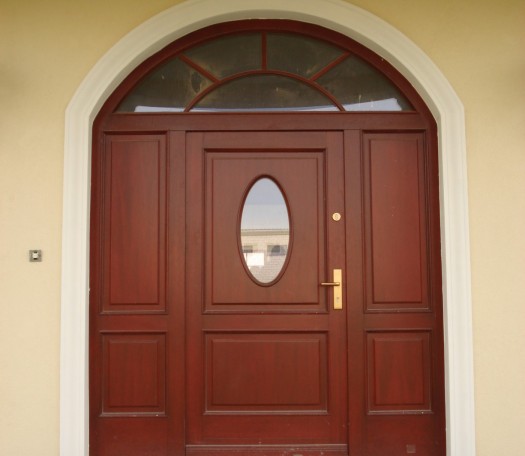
(337, 15)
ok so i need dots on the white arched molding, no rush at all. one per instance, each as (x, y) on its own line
(337, 15)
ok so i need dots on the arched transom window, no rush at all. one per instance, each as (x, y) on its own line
(264, 71)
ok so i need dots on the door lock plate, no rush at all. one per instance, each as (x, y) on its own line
(338, 288)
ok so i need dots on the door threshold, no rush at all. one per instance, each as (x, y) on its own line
(267, 450)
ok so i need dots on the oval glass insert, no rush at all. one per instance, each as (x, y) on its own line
(265, 231)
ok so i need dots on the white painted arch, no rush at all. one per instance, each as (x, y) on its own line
(337, 15)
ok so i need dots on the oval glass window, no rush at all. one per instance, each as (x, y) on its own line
(265, 231)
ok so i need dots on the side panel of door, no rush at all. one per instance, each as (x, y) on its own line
(395, 318)
(137, 295)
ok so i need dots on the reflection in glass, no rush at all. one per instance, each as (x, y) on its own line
(265, 230)
(265, 93)
(360, 87)
(228, 55)
(299, 54)
(167, 89)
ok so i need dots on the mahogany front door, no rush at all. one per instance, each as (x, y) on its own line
(265, 292)
(265, 273)
(266, 360)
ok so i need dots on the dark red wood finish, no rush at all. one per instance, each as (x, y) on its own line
(135, 210)
(174, 317)
(395, 334)
(396, 224)
(270, 360)
(136, 315)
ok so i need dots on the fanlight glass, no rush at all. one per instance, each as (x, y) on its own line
(228, 55)
(167, 89)
(299, 54)
(264, 71)
(267, 93)
(360, 87)
(265, 231)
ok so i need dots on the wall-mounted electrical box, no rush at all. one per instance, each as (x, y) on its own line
(35, 256)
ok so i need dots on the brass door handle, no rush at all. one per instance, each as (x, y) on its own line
(338, 288)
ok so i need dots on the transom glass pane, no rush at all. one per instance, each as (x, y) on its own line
(265, 231)
(169, 88)
(265, 93)
(265, 71)
(228, 55)
(299, 54)
(360, 87)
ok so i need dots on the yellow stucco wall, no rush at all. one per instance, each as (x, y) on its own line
(47, 48)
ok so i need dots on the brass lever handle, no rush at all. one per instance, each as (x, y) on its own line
(338, 288)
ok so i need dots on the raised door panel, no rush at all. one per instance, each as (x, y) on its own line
(398, 372)
(120, 436)
(134, 224)
(133, 374)
(396, 208)
(231, 286)
(266, 372)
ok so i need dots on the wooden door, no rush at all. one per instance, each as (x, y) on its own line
(190, 354)
(266, 361)
(395, 335)
(137, 295)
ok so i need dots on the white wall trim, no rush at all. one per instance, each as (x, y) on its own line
(337, 15)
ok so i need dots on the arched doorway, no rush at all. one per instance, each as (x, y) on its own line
(352, 21)
(191, 352)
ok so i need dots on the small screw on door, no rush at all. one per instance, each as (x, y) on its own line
(35, 256)
(336, 216)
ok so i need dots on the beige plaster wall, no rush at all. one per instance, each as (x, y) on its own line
(47, 47)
